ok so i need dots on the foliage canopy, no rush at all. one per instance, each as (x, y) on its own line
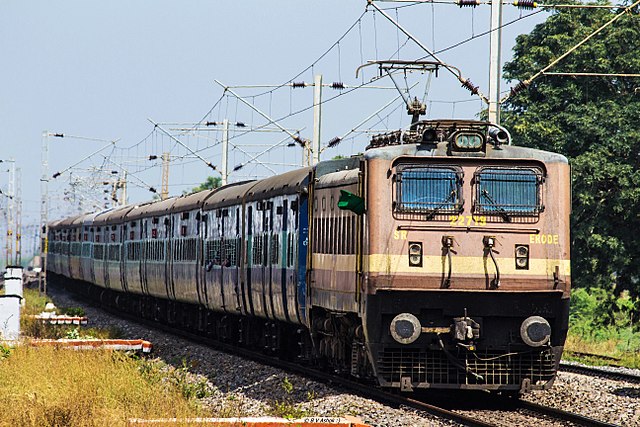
(594, 121)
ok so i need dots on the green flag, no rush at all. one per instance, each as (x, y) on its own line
(351, 202)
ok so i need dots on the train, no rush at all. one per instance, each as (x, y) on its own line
(439, 258)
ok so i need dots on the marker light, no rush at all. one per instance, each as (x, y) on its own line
(522, 257)
(415, 254)
(468, 141)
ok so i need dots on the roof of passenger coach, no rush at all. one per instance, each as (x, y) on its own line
(67, 222)
(156, 208)
(110, 216)
(54, 225)
(228, 195)
(287, 183)
(78, 221)
(88, 219)
(192, 201)
(342, 177)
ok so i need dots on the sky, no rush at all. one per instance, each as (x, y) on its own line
(98, 71)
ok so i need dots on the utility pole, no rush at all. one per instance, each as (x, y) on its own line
(494, 63)
(44, 228)
(164, 191)
(18, 198)
(225, 151)
(11, 214)
(317, 118)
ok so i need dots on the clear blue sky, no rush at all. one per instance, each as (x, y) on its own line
(100, 69)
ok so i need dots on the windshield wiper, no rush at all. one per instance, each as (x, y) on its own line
(444, 202)
(501, 211)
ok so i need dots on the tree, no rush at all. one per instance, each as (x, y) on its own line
(211, 183)
(594, 121)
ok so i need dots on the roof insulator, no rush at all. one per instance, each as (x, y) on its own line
(467, 84)
(334, 141)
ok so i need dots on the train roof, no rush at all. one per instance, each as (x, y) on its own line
(69, 220)
(191, 201)
(503, 152)
(88, 219)
(436, 138)
(342, 177)
(228, 195)
(151, 209)
(52, 225)
(286, 183)
(113, 216)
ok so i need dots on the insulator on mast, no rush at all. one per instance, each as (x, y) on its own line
(467, 84)
(468, 3)
(518, 88)
(334, 141)
(298, 84)
(337, 85)
(525, 4)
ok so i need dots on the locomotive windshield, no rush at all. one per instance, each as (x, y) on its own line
(507, 192)
(427, 190)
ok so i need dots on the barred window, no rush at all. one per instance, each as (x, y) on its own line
(75, 249)
(504, 194)
(213, 252)
(155, 250)
(256, 250)
(133, 250)
(185, 250)
(275, 249)
(423, 192)
(98, 251)
(86, 250)
(231, 251)
(114, 252)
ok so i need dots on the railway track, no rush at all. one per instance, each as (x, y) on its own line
(435, 406)
(599, 372)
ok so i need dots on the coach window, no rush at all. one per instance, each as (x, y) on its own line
(427, 192)
(508, 194)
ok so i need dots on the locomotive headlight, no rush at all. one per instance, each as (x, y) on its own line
(468, 141)
(522, 257)
(415, 254)
(535, 331)
(405, 328)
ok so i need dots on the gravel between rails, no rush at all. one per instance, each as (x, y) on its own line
(242, 387)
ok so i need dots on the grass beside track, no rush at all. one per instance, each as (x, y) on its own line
(54, 386)
(61, 387)
(612, 350)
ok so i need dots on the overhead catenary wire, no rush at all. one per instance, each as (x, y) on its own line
(458, 75)
(523, 84)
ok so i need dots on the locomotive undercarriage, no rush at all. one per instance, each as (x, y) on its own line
(490, 354)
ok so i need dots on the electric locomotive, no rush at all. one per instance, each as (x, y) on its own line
(439, 258)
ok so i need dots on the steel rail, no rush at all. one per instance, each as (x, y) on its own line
(593, 371)
(560, 414)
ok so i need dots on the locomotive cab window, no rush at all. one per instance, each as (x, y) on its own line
(508, 194)
(424, 192)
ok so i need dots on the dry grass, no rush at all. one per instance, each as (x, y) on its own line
(61, 387)
(609, 348)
